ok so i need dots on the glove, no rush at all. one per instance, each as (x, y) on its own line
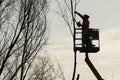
(78, 24)
(75, 12)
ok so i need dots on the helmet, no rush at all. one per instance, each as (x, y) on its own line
(86, 16)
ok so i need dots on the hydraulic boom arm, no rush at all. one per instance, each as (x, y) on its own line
(93, 69)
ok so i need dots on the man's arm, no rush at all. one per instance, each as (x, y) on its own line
(79, 14)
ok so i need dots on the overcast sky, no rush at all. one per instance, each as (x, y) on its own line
(105, 15)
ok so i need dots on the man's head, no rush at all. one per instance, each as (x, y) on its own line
(86, 16)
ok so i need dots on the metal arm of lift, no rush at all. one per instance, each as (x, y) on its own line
(93, 69)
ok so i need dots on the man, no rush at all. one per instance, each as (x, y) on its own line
(85, 23)
(85, 29)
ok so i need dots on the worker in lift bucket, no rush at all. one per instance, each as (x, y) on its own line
(85, 30)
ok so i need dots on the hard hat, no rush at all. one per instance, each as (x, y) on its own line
(86, 16)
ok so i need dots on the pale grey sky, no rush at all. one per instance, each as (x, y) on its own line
(105, 15)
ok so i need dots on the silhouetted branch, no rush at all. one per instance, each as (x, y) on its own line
(67, 13)
(28, 35)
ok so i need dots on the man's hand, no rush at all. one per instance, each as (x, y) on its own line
(78, 24)
(75, 12)
(79, 14)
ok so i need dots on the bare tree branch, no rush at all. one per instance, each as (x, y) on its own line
(70, 18)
